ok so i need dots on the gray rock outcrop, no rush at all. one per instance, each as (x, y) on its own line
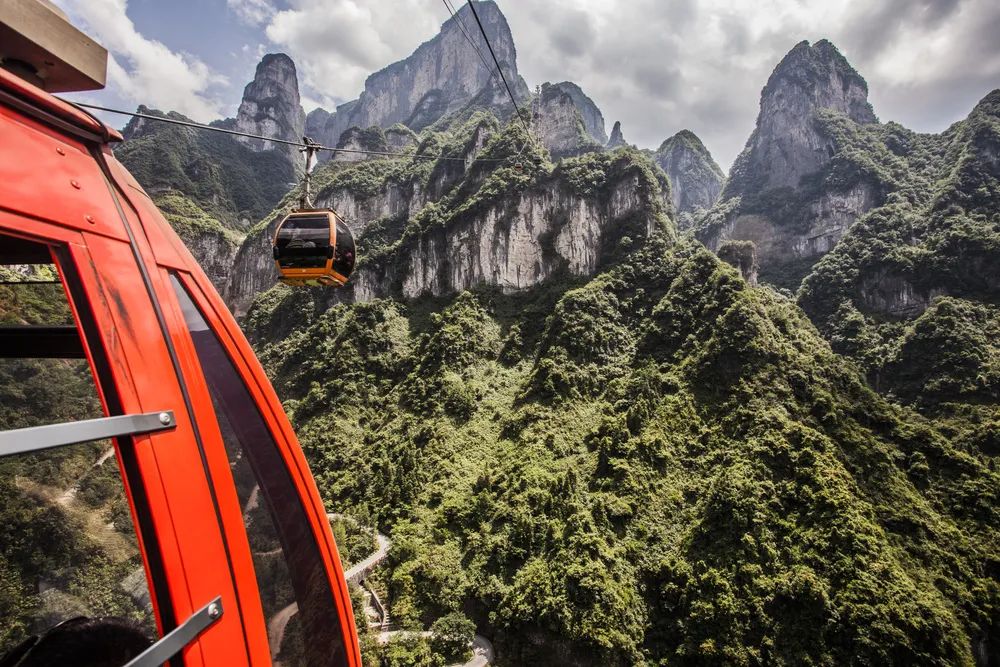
(399, 137)
(775, 195)
(786, 144)
(253, 268)
(514, 245)
(560, 120)
(442, 76)
(271, 107)
(617, 139)
(593, 119)
(354, 141)
(516, 242)
(695, 178)
(316, 121)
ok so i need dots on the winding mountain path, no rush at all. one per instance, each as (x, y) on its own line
(358, 572)
(276, 628)
(482, 650)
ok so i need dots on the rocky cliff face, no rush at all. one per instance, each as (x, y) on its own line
(442, 76)
(213, 187)
(211, 243)
(271, 107)
(315, 125)
(517, 243)
(252, 270)
(593, 119)
(561, 120)
(354, 141)
(365, 193)
(617, 138)
(455, 226)
(780, 193)
(934, 236)
(695, 178)
(786, 144)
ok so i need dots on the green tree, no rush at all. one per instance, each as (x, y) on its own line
(453, 635)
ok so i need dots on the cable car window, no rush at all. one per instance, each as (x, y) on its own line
(304, 241)
(67, 542)
(299, 608)
(343, 260)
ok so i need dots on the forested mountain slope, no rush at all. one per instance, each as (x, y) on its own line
(659, 463)
(931, 252)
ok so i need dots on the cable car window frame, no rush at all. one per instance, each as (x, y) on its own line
(293, 228)
(225, 360)
(115, 425)
(342, 265)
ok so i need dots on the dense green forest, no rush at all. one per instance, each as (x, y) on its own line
(659, 464)
(935, 239)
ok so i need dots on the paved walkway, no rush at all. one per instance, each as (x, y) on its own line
(482, 649)
(358, 572)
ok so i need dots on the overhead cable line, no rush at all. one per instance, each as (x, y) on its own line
(461, 24)
(298, 144)
(493, 77)
(517, 109)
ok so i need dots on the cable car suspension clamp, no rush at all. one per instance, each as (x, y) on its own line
(310, 149)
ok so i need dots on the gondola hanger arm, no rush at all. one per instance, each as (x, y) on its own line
(309, 149)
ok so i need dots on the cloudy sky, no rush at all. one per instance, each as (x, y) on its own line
(658, 66)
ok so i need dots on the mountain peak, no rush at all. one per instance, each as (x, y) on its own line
(990, 104)
(593, 119)
(271, 106)
(567, 121)
(822, 74)
(786, 145)
(695, 177)
(275, 61)
(617, 139)
(688, 139)
(442, 76)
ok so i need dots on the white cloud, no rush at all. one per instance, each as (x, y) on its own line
(700, 64)
(336, 45)
(252, 12)
(143, 70)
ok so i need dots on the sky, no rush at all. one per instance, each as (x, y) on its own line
(658, 66)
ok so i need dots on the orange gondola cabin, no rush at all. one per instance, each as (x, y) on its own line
(314, 247)
(154, 501)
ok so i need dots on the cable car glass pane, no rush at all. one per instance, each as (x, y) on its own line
(304, 241)
(67, 542)
(299, 609)
(343, 259)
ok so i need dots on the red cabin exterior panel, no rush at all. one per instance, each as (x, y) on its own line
(53, 177)
(241, 353)
(189, 514)
(60, 185)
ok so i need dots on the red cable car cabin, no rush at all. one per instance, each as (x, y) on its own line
(105, 313)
